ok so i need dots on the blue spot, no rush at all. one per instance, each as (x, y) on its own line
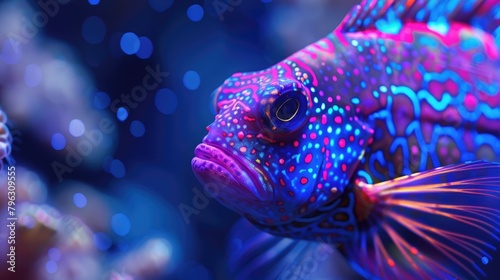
(122, 114)
(191, 80)
(160, 5)
(117, 169)
(390, 26)
(93, 30)
(101, 241)
(101, 100)
(120, 224)
(165, 101)
(51, 267)
(54, 254)
(94, 2)
(137, 128)
(32, 75)
(441, 27)
(130, 43)
(58, 141)
(470, 43)
(79, 200)
(195, 12)
(485, 260)
(10, 52)
(76, 128)
(146, 48)
(266, 1)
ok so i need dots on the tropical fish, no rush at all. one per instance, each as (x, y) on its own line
(381, 138)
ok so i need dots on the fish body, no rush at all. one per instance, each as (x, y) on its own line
(310, 147)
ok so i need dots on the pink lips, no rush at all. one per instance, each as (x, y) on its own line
(232, 178)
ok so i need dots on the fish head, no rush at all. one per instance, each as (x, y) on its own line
(272, 154)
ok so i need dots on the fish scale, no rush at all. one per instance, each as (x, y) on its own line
(364, 139)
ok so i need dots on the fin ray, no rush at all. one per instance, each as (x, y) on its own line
(482, 14)
(441, 223)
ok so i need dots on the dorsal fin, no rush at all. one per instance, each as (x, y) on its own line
(373, 14)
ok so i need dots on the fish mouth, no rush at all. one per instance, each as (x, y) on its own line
(223, 173)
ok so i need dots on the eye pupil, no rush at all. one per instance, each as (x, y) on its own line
(288, 110)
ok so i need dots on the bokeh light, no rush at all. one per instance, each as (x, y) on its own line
(122, 114)
(58, 141)
(102, 241)
(80, 200)
(120, 224)
(94, 2)
(51, 267)
(101, 100)
(137, 128)
(117, 168)
(191, 80)
(130, 43)
(76, 128)
(195, 12)
(145, 49)
(32, 75)
(94, 30)
(165, 101)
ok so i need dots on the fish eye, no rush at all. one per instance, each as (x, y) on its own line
(288, 110)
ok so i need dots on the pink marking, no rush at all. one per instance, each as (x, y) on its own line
(470, 102)
(414, 150)
(241, 135)
(312, 119)
(340, 71)
(295, 144)
(312, 135)
(246, 118)
(323, 119)
(334, 78)
(330, 99)
(451, 86)
(342, 143)
(355, 71)
(326, 141)
(308, 158)
(338, 119)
